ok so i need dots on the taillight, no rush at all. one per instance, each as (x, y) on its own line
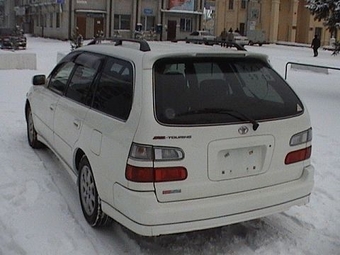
(139, 174)
(167, 174)
(146, 154)
(302, 137)
(151, 174)
(298, 155)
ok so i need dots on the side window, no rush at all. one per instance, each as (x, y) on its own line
(79, 88)
(114, 91)
(59, 78)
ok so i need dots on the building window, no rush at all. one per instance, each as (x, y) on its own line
(231, 4)
(57, 20)
(242, 28)
(185, 25)
(122, 22)
(148, 22)
(41, 20)
(318, 31)
(243, 4)
(51, 19)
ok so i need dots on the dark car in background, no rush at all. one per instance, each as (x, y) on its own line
(12, 38)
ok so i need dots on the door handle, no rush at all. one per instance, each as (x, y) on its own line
(76, 123)
(52, 107)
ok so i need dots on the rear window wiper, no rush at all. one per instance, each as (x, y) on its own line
(234, 113)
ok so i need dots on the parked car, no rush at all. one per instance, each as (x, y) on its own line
(240, 39)
(257, 37)
(201, 36)
(169, 137)
(12, 38)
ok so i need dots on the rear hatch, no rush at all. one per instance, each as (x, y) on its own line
(232, 119)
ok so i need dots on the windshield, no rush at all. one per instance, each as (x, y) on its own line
(201, 91)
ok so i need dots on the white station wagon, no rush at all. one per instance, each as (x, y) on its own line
(172, 137)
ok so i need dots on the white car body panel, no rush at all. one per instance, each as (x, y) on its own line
(69, 119)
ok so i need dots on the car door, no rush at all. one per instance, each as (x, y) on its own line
(71, 109)
(45, 102)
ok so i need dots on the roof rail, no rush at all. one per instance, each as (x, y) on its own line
(144, 46)
(211, 42)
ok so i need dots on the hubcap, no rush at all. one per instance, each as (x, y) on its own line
(87, 190)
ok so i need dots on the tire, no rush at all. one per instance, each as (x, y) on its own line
(32, 135)
(88, 195)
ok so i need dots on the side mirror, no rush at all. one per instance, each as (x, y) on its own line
(39, 79)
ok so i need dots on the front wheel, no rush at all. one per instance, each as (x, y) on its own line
(89, 198)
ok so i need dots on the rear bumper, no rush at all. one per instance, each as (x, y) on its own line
(143, 214)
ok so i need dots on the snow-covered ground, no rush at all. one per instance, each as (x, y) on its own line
(40, 212)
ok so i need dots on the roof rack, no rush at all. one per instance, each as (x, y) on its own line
(211, 42)
(144, 46)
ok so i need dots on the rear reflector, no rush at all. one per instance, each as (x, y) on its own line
(149, 174)
(299, 155)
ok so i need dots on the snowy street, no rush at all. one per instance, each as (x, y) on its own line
(40, 211)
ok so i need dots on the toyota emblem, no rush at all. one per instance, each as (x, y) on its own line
(243, 130)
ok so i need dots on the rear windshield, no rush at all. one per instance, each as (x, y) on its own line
(203, 91)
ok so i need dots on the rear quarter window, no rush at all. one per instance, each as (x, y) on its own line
(114, 91)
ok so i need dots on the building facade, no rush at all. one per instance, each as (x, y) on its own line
(279, 20)
(59, 18)
(7, 19)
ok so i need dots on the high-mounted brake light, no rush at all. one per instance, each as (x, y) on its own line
(299, 155)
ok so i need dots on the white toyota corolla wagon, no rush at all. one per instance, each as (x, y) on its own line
(172, 137)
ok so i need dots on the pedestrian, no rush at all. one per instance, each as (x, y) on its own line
(316, 45)
(230, 38)
(223, 38)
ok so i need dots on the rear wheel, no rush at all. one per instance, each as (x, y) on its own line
(32, 134)
(89, 198)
